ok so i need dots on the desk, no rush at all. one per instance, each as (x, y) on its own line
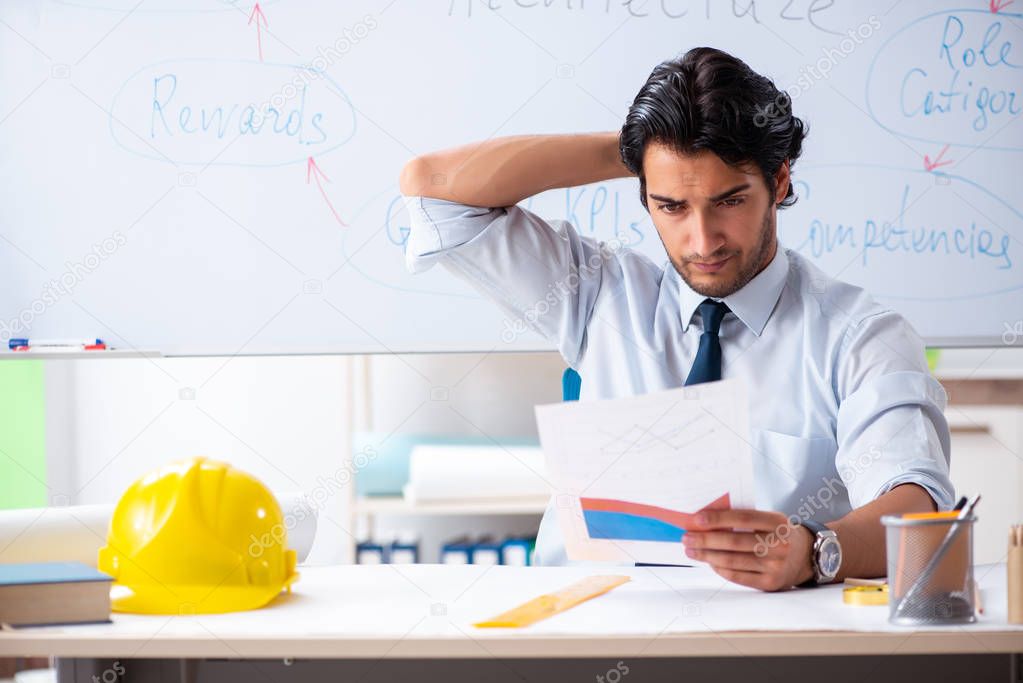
(417, 618)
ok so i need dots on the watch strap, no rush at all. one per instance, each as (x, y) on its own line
(816, 528)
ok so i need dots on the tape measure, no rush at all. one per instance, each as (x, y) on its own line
(865, 595)
(550, 604)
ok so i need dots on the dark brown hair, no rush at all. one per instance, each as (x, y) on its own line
(709, 100)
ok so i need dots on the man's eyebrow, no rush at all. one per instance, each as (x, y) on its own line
(716, 198)
(729, 193)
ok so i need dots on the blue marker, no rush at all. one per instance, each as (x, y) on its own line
(14, 343)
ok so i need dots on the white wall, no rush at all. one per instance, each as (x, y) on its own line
(279, 418)
(473, 394)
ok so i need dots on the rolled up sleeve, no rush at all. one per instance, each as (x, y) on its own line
(543, 275)
(891, 426)
(436, 227)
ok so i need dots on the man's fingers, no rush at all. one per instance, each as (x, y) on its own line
(730, 560)
(756, 520)
(724, 540)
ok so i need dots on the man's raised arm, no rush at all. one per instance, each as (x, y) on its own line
(504, 171)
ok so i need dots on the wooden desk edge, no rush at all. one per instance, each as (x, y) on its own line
(518, 645)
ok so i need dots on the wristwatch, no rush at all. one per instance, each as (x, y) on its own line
(826, 554)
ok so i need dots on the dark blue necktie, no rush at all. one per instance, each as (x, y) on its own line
(707, 366)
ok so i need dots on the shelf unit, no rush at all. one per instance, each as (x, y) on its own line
(396, 505)
(369, 507)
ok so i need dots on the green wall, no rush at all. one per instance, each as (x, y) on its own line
(22, 434)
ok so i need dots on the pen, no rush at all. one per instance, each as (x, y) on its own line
(960, 504)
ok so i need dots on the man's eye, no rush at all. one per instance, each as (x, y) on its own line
(669, 208)
(733, 201)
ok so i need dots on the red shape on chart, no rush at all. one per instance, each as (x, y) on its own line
(931, 165)
(260, 19)
(312, 171)
(997, 6)
(683, 520)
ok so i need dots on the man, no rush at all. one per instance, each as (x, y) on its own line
(847, 423)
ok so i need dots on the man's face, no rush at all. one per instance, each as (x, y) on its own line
(716, 222)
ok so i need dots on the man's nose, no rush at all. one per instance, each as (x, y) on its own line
(703, 238)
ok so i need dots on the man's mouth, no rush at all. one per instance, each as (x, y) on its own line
(710, 267)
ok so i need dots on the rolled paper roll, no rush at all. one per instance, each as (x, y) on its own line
(75, 533)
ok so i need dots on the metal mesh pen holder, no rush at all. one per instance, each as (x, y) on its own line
(930, 570)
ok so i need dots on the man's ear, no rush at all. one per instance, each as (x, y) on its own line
(781, 183)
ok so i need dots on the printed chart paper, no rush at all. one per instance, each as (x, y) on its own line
(630, 473)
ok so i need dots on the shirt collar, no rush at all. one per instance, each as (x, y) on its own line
(752, 304)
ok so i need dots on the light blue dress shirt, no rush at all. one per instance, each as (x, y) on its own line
(843, 407)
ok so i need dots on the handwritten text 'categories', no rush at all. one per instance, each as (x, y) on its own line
(964, 84)
(231, 113)
(950, 77)
(970, 242)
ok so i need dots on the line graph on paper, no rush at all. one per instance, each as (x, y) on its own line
(641, 438)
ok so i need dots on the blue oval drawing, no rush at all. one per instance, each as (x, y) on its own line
(171, 6)
(817, 234)
(372, 203)
(175, 120)
(1013, 99)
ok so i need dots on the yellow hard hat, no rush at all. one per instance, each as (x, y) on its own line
(197, 537)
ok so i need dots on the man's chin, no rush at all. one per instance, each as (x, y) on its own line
(717, 285)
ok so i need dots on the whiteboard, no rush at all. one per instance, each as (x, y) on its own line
(144, 201)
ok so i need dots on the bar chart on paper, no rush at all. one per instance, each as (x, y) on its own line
(627, 521)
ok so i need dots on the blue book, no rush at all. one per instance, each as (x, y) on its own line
(405, 551)
(53, 593)
(487, 551)
(516, 551)
(458, 551)
(48, 572)
(371, 552)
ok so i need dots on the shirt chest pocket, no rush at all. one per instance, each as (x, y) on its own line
(797, 475)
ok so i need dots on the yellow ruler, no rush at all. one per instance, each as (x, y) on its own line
(548, 605)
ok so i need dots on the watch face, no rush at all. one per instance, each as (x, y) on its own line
(830, 557)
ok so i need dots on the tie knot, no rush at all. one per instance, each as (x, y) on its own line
(712, 312)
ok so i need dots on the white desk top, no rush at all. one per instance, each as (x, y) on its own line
(428, 611)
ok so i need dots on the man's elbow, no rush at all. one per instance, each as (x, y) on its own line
(414, 180)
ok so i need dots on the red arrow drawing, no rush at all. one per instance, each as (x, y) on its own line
(260, 19)
(312, 171)
(931, 165)
(997, 6)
